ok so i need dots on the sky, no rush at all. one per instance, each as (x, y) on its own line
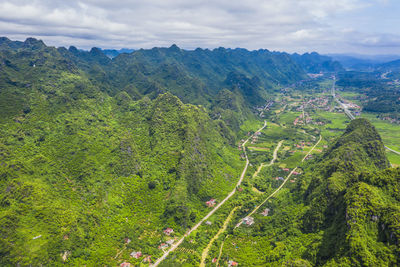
(325, 26)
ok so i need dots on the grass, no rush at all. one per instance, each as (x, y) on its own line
(287, 118)
(390, 132)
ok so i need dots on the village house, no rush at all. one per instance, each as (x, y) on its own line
(208, 222)
(214, 260)
(168, 231)
(210, 203)
(136, 254)
(248, 220)
(285, 169)
(170, 242)
(232, 263)
(125, 264)
(147, 259)
(265, 212)
(163, 246)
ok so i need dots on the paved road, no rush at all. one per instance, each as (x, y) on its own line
(174, 246)
(394, 151)
(348, 112)
(280, 187)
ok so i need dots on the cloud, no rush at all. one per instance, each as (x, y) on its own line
(291, 25)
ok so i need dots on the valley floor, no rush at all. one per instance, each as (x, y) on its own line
(275, 169)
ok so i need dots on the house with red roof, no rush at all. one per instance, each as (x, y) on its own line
(168, 231)
(147, 259)
(232, 263)
(136, 254)
(211, 203)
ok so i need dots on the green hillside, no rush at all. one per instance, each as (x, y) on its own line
(343, 212)
(99, 155)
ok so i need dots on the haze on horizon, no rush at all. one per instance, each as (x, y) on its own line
(340, 26)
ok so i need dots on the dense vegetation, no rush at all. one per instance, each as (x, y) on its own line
(100, 152)
(315, 63)
(343, 212)
(94, 150)
(381, 96)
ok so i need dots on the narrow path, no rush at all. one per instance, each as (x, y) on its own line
(207, 249)
(274, 157)
(280, 187)
(177, 244)
(220, 250)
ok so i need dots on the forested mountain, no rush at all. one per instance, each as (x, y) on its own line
(352, 199)
(88, 142)
(196, 77)
(111, 53)
(390, 66)
(315, 63)
(99, 155)
(344, 212)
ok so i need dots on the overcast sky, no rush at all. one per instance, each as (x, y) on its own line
(326, 26)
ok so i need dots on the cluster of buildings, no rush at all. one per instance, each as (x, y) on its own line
(391, 120)
(315, 75)
(136, 255)
(260, 110)
(302, 144)
(350, 105)
(301, 121)
(319, 102)
(255, 137)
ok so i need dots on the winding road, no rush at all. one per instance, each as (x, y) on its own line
(177, 244)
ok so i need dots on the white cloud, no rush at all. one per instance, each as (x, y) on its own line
(291, 25)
